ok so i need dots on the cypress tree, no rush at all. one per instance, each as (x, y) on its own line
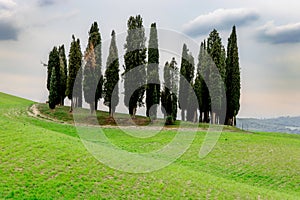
(63, 73)
(191, 113)
(75, 72)
(204, 70)
(170, 92)
(198, 86)
(233, 83)
(53, 62)
(89, 78)
(54, 96)
(95, 41)
(166, 91)
(135, 56)
(152, 90)
(217, 74)
(112, 77)
(187, 72)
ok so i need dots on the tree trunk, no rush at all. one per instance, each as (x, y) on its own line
(234, 121)
(183, 115)
(111, 112)
(133, 112)
(92, 108)
(195, 117)
(200, 117)
(213, 117)
(71, 108)
(147, 111)
(206, 117)
(96, 104)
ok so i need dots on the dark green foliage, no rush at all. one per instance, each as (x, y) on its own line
(201, 81)
(135, 56)
(153, 90)
(170, 92)
(63, 73)
(54, 96)
(95, 41)
(187, 72)
(217, 75)
(111, 98)
(191, 106)
(54, 78)
(74, 89)
(89, 78)
(233, 83)
(53, 62)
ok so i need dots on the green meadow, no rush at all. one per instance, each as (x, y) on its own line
(45, 159)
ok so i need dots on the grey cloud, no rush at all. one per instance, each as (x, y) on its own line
(44, 3)
(289, 33)
(221, 19)
(8, 31)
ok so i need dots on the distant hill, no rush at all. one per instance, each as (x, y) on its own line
(280, 124)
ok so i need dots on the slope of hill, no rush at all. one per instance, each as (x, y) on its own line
(41, 159)
(280, 124)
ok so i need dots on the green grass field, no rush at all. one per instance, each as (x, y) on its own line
(40, 159)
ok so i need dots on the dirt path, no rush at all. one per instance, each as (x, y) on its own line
(33, 111)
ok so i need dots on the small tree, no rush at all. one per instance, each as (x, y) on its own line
(112, 77)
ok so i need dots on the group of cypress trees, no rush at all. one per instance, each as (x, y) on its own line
(216, 85)
(75, 81)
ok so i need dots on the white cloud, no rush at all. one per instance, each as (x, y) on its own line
(289, 33)
(7, 4)
(221, 19)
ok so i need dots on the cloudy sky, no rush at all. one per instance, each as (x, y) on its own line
(268, 40)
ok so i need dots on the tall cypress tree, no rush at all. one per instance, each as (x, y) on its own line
(170, 92)
(63, 73)
(54, 96)
(203, 76)
(153, 90)
(191, 107)
(89, 77)
(75, 72)
(217, 74)
(95, 41)
(233, 82)
(187, 72)
(198, 86)
(53, 62)
(135, 56)
(112, 77)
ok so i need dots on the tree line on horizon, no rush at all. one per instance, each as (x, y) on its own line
(216, 82)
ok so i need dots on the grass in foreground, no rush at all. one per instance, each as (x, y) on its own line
(46, 160)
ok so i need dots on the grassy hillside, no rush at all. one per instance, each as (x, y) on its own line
(46, 160)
